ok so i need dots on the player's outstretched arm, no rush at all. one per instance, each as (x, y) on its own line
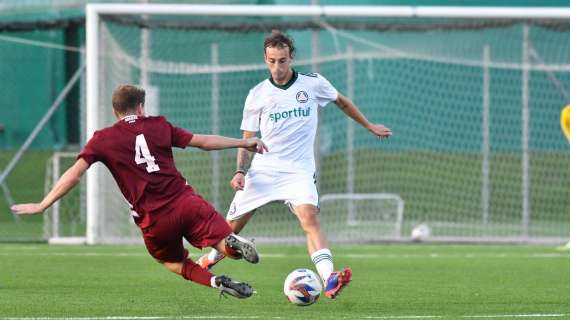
(66, 182)
(352, 111)
(214, 142)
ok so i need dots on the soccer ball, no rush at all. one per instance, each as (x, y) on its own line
(421, 232)
(302, 287)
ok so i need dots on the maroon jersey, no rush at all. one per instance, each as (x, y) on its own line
(138, 152)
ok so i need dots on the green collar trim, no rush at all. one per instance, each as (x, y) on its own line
(288, 84)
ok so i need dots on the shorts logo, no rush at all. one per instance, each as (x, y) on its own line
(302, 96)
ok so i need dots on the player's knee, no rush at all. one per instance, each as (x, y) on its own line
(309, 221)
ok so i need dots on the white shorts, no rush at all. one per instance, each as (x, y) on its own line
(262, 187)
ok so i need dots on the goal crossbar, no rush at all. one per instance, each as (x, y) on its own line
(333, 11)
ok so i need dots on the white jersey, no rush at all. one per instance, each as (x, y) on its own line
(287, 116)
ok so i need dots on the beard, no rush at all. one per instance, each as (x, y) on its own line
(281, 76)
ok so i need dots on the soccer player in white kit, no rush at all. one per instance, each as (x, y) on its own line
(285, 109)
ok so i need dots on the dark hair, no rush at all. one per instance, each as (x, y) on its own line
(278, 39)
(127, 97)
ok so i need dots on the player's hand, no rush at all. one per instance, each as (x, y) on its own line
(255, 145)
(27, 208)
(380, 131)
(238, 181)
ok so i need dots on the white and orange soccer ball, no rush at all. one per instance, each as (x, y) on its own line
(302, 287)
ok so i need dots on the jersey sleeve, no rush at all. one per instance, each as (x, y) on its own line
(250, 120)
(90, 152)
(180, 137)
(324, 91)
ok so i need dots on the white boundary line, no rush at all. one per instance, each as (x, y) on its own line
(523, 315)
(531, 315)
(433, 255)
(139, 318)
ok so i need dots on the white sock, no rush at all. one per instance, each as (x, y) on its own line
(215, 255)
(324, 263)
(213, 282)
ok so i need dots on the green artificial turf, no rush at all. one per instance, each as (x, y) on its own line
(389, 282)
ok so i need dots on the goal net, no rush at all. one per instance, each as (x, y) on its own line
(473, 102)
(65, 220)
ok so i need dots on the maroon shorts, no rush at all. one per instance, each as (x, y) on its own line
(189, 217)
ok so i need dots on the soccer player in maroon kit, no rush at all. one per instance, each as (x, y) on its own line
(138, 151)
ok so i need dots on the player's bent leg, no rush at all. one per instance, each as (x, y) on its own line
(193, 272)
(321, 256)
(233, 246)
(237, 247)
(308, 216)
(238, 224)
(209, 260)
(245, 248)
(189, 270)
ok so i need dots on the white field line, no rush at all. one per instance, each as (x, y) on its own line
(529, 315)
(532, 315)
(138, 318)
(282, 255)
(403, 317)
(503, 316)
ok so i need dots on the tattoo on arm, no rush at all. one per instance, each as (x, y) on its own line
(243, 159)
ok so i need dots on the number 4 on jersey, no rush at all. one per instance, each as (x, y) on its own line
(141, 147)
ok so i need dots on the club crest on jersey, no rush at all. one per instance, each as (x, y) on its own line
(302, 96)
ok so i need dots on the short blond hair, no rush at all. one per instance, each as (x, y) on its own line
(127, 97)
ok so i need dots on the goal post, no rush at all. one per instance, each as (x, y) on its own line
(470, 93)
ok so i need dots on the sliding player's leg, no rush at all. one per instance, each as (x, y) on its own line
(163, 241)
(317, 245)
(192, 272)
(237, 247)
(195, 220)
(218, 252)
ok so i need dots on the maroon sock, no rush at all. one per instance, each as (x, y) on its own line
(193, 272)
